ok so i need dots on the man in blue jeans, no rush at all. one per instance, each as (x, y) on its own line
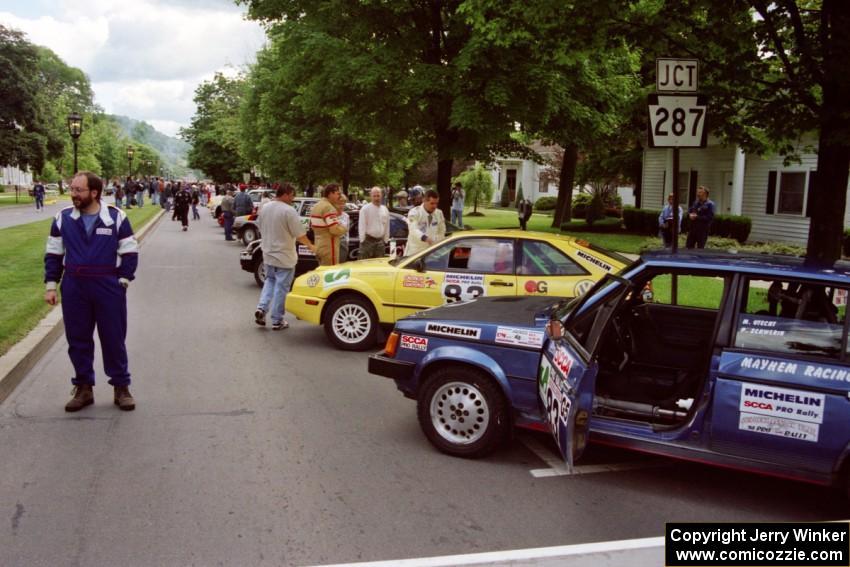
(280, 226)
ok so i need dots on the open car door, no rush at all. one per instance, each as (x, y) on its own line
(567, 375)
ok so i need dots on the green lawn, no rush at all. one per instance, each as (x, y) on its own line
(507, 218)
(22, 275)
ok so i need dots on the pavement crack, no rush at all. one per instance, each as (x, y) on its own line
(16, 518)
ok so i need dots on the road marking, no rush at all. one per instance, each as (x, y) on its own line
(522, 556)
(557, 466)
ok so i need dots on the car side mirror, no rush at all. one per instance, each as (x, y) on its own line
(555, 329)
(419, 265)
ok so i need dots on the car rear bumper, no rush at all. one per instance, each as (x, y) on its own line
(398, 370)
(310, 312)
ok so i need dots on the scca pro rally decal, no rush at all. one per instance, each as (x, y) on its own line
(794, 414)
(594, 260)
(563, 361)
(414, 343)
(453, 331)
(519, 337)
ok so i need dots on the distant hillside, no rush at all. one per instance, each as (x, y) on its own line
(173, 150)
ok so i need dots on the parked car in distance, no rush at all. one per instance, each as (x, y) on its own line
(740, 361)
(247, 229)
(352, 301)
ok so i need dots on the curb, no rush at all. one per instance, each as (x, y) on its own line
(26, 353)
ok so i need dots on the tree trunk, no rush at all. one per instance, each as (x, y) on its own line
(829, 199)
(444, 185)
(346, 167)
(564, 205)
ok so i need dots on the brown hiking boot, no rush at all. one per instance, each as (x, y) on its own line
(83, 396)
(123, 399)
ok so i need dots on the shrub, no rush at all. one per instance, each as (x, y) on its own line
(519, 197)
(545, 204)
(606, 224)
(641, 221)
(504, 198)
(580, 204)
(613, 212)
(733, 245)
(596, 210)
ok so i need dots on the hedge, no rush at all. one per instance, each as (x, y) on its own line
(645, 221)
(546, 204)
(580, 204)
(607, 224)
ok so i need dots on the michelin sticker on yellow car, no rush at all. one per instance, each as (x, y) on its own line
(463, 287)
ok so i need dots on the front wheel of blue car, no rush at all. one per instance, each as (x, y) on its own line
(462, 412)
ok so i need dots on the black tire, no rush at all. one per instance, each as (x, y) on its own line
(351, 323)
(260, 273)
(447, 404)
(249, 234)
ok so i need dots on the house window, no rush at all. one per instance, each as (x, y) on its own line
(792, 192)
(544, 186)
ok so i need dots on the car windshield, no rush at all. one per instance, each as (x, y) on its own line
(576, 304)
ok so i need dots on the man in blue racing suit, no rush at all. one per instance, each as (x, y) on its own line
(93, 252)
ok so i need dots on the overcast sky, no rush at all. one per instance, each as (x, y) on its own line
(144, 57)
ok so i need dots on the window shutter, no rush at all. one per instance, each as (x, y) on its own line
(770, 208)
(813, 175)
(692, 187)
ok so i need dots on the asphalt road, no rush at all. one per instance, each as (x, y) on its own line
(13, 215)
(254, 447)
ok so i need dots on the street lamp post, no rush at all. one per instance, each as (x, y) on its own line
(75, 128)
(148, 165)
(130, 153)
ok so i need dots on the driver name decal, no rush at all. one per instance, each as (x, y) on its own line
(453, 331)
(519, 337)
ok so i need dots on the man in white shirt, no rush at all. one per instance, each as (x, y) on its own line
(426, 224)
(373, 227)
(280, 227)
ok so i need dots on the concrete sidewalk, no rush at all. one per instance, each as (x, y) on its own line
(15, 364)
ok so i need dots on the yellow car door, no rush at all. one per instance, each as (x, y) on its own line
(545, 269)
(459, 270)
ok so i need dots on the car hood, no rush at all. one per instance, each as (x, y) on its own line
(517, 311)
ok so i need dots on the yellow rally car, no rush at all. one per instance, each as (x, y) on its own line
(352, 299)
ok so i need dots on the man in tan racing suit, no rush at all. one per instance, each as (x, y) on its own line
(327, 230)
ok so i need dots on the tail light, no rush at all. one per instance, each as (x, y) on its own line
(392, 345)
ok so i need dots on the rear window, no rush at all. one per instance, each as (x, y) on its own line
(791, 317)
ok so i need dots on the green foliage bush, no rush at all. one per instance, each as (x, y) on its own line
(732, 245)
(519, 197)
(504, 198)
(580, 204)
(605, 224)
(545, 204)
(596, 210)
(641, 221)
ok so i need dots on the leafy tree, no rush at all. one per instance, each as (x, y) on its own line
(214, 130)
(477, 185)
(410, 65)
(596, 209)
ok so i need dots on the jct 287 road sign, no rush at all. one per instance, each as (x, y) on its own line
(677, 121)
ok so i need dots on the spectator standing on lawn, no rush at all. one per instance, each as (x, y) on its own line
(93, 252)
(281, 228)
(457, 205)
(701, 214)
(665, 222)
(373, 226)
(524, 213)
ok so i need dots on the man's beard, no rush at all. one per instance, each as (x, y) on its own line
(82, 202)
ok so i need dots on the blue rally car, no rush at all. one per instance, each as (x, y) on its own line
(734, 360)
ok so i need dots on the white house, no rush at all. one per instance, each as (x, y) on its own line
(12, 176)
(533, 177)
(772, 194)
(516, 171)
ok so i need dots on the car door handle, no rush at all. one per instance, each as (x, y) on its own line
(501, 283)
